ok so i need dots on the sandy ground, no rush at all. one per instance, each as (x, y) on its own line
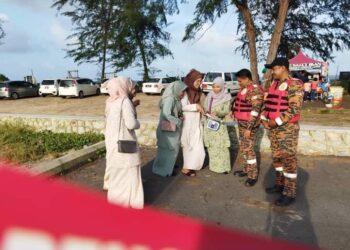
(318, 218)
(313, 113)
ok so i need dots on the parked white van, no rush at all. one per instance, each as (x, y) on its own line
(78, 88)
(49, 87)
(229, 77)
(157, 85)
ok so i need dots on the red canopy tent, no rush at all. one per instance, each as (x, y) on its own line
(301, 58)
(302, 62)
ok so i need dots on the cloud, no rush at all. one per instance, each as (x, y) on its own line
(32, 4)
(59, 33)
(4, 17)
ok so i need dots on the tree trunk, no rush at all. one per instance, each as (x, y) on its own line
(106, 27)
(250, 29)
(276, 36)
(143, 57)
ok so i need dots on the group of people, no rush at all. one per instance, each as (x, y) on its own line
(192, 122)
(316, 89)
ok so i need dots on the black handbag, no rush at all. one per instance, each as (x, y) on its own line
(125, 146)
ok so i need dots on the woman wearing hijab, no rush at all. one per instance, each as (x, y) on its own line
(216, 137)
(192, 131)
(169, 129)
(123, 170)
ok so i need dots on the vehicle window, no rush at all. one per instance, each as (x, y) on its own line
(154, 80)
(166, 80)
(26, 84)
(83, 81)
(66, 83)
(2, 85)
(228, 77)
(171, 79)
(233, 74)
(48, 82)
(211, 76)
(16, 84)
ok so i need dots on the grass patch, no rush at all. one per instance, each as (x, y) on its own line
(23, 144)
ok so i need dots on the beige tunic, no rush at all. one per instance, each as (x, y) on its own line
(192, 136)
(123, 174)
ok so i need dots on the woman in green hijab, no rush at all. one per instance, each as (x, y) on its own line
(169, 129)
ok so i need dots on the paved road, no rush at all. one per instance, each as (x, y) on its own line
(320, 217)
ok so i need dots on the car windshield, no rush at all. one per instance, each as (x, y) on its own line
(154, 80)
(2, 85)
(211, 76)
(48, 82)
(66, 83)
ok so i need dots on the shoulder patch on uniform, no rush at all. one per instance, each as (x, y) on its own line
(283, 86)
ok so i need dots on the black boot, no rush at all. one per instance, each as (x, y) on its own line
(250, 182)
(274, 189)
(240, 173)
(284, 201)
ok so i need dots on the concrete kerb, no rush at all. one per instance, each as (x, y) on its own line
(71, 160)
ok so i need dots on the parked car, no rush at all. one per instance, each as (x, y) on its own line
(49, 87)
(157, 85)
(78, 88)
(104, 87)
(104, 90)
(229, 77)
(18, 89)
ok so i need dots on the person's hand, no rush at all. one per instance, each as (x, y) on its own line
(265, 124)
(214, 114)
(247, 134)
(272, 123)
(136, 103)
(200, 109)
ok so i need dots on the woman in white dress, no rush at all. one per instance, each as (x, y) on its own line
(192, 131)
(123, 170)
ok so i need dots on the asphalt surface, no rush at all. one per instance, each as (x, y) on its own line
(320, 216)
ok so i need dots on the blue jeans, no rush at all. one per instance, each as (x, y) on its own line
(313, 95)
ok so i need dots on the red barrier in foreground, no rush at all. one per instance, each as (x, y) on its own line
(41, 214)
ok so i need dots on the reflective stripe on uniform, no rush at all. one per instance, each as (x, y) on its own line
(253, 161)
(254, 113)
(262, 117)
(289, 175)
(279, 169)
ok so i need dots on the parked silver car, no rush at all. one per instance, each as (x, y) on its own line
(18, 89)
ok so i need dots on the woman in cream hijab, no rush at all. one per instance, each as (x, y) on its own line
(123, 170)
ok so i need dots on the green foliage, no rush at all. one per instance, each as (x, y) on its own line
(121, 33)
(22, 144)
(3, 78)
(321, 26)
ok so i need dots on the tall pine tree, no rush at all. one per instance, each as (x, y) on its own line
(122, 33)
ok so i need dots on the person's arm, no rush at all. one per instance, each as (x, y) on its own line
(256, 99)
(225, 110)
(129, 115)
(295, 101)
(167, 110)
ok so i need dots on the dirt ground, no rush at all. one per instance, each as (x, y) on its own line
(313, 112)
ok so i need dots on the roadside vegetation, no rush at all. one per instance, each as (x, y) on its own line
(22, 144)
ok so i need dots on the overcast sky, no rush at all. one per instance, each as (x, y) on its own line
(36, 40)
